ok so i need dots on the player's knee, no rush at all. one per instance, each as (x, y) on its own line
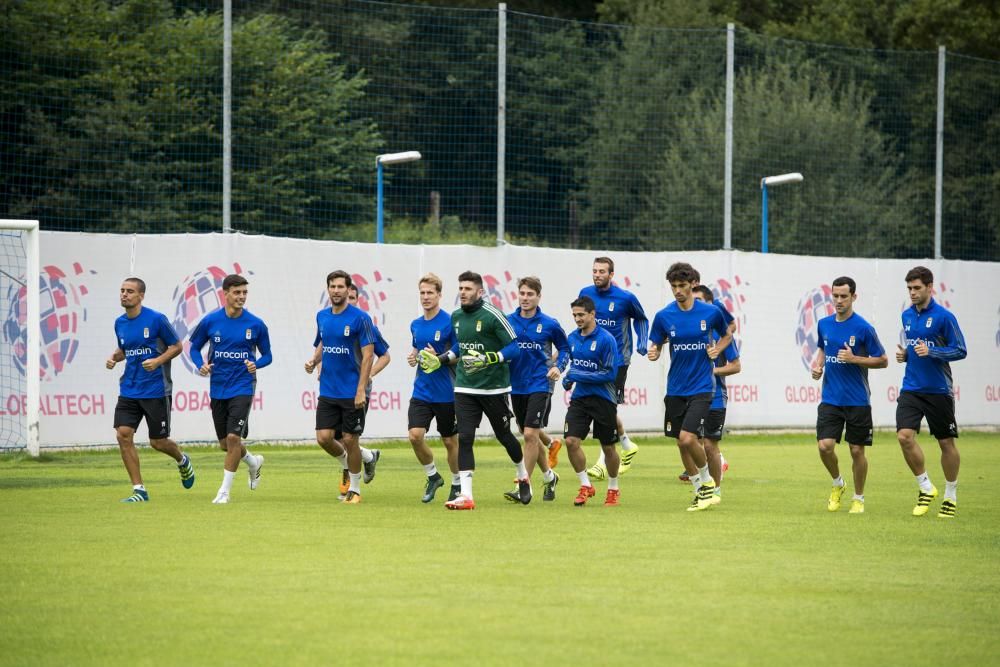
(125, 437)
(826, 446)
(416, 436)
(159, 444)
(906, 437)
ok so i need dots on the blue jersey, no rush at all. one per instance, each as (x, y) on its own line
(380, 348)
(233, 342)
(616, 310)
(439, 386)
(342, 336)
(689, 335)
(593, 364)
(536, 336)
(843, 383)
(938, 329)
(721, 397)
(142, 337)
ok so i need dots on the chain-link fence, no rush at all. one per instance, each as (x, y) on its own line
(591, 135)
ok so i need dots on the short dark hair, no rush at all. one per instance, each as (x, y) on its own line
(339, 273)
(233, 280)
(532, 283)
(139, 283)
(471, 277)
(844, 280)
(921, 273)
(606, 260)
(584, 302)
(705, 292)
(682, 272)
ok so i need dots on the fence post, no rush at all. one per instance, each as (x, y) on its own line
(227, 119)
(501, 115)
(727, 205)
(939, 161)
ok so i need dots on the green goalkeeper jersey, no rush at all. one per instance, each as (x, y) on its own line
(485, 329)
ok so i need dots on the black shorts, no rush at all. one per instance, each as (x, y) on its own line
(715, 424)
(339, 415)
(232, 415)
(831, 419)
(620, 383)
(586, 409)
(939, 409)
(686, 413)
(130, 411)
(421, 413)
(470, 408)
(532, 410)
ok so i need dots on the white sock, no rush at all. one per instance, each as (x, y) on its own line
(227, 480)
(522, 470)
(138, 487)
(925, 483)
(626, 443)
(456, 478)
(612, 483)
(548, 475)
(250, 459)
(355, 482)
(366, 455)
(951, 491)
(465, 479)
(600, 459)
(184, 459)
(695, 481)
(704, 476)
(584, 480)
(343, 460)
(430, 469)
(860, 497)
(839, 481)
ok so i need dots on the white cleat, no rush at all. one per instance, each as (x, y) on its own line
(254, 472)
(222, 498)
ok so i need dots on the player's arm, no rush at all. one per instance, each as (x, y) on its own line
(725, 336)
(562, 349)
(953, 347)
(198, 339)
(367, 359)
(317, 357)
(657, 337)
(165, 356)
(264, 347)
(876, 357)
(116, 356)
(640, 324)
(381, 350)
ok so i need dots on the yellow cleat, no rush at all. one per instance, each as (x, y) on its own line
(598, 471)
(948, 509)
(835, 495)
(857, 507)
(627, 456)
(924, 501)
(703, 499)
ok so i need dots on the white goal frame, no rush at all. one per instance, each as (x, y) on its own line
(32, 378)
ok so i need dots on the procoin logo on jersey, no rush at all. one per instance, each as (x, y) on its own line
(704, 326)
(347, 330)
(249, 334)
(538, 329)
(437, 336)
(145, 332)
(479, 325)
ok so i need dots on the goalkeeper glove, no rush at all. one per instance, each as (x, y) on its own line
(475, 361)
(429, 362)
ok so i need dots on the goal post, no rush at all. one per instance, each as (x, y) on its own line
(19, 271)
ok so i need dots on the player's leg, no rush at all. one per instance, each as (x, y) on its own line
(575, 430)
(157, 415)
(447, 426)
(691, 412)
(604, 415)
(629, 448)
(829, 428)
(128, 415)
(418, 416)
(352, 424)
(909, 412)
(469, 413)
(859, 432)
(498, 412)
(714, 425)
(942, 425)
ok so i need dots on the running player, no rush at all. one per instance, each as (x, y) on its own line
(617, 310)
(235, 336)
(933, 339)
(849, 346)
(146, 343)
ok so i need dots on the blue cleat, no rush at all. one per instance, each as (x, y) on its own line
(138, 496)
(187, 472)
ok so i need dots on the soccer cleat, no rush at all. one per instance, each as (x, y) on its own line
(703, 498)
(345, 484)
(554, 452)
(433, 484)
(584, 493)
(187, 472)
(456, 490)
(461, 503)
(835, 495)
(716, 498)
(513, 496)
(352, 498)
(254, 472)
(598, 471)
(369, 468)
(924, 501)
(524, 490)
(611, 500)
(549, 490)
(138, 496)
(948, 509)
(857, 507)
(684, 476)
(221, 498)
(693, 507)
(627, 457)
(725, 463)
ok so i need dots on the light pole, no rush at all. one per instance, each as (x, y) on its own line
(764, 182)
(388, 159)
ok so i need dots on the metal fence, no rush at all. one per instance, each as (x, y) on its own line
(541, 131)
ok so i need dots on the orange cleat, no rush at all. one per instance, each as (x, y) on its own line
(585, 493)
(611, 500)
(554, 453)
(461, 503)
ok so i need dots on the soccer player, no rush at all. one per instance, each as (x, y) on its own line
(617, 309)
(146, 343)
(486, 342)
(235, 335)
(932, 340)
(532, 378)
(728, 363)
(433, 396)
(849, 346)
(686, 325)
(346, 338)
(593, 368)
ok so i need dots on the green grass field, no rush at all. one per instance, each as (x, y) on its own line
(287, 575)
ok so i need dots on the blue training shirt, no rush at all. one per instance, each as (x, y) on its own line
(342, 336)
(721, 397)
(142, 337)
(233, 341)
(616, 310)
(536, 337)
(593, 364)
(846, 384)
(937, 327)
(439, 386)
(689, 334)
